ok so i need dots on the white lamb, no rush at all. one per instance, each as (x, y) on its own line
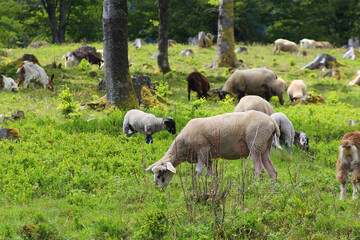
(31, 72)
(7, 83)
(253, 102)
(287, 131)
(146, 123)
(296, 90)
(229, 136)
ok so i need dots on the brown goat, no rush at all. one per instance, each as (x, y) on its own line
(198, 83)
(348, 161)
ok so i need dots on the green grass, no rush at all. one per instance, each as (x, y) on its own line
(73, 178)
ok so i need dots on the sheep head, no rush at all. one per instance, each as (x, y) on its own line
(170, 125)
(222, 94)
(302, 140)
(163, 173)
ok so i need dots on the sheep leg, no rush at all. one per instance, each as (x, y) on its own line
(356, 184)
(342, 178)
(128, 130)
(189, 90)
(259, 169)
(265, 157)
(343, 191)
(203, 159)
(241, 94)
(199, 168)
(355, 190)
(149, 139)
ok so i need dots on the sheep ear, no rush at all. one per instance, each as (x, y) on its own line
(170, 167)
(151, 167)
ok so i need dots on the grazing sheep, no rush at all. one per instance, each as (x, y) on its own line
(198, 83)
(296, 90)
(285, 46)
(139, 121)
(187, 52)
(241, 50)
(355, 79)
(256, 103)
(257, 81)
(32, 72)
(230, 136)
(348, 161)
(307, 43)
(287, 131)
(7, 83)
(301, 140)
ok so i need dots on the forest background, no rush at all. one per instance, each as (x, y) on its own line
(27, 21)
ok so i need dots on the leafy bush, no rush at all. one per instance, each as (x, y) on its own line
(68, 107)
(84, 65)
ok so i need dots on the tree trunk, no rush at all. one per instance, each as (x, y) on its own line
(162, 58)
(225, 55)
(64, 8)
(119, 88)
(57, 31)
(50, 8)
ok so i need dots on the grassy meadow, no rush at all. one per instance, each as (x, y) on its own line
(78, 177)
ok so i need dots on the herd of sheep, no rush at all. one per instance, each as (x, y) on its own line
(252, 129)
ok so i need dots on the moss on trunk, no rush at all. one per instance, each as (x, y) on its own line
(225, 55)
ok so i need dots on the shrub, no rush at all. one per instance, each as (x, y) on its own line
(68, 107)
(84, 65)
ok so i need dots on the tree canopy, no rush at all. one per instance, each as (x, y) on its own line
(24, 22)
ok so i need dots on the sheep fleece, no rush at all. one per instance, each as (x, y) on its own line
(230, 136)
(297, 89)
(248, 80)
(256, 103)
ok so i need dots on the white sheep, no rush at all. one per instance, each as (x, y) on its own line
(287, 131)
(32, 73)
(285, 46)
(307, 43)
(296, 90)
(146, 123)
(252, 102)
(230, 136)
(257, 81)
(7, 83)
